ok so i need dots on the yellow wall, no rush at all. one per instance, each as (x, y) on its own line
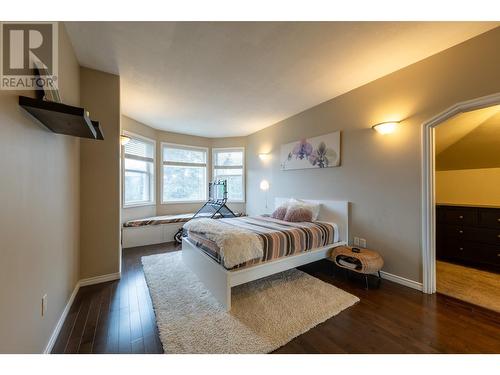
(477, 148)
(469, 186)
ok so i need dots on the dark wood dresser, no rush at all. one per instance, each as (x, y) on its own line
(469, 235)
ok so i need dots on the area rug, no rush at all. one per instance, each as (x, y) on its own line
(265, 314)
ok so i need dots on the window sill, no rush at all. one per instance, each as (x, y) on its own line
(183, 202)
(139, 205)
(192, 202)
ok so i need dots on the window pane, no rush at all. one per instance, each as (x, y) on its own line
(234, 182)
(184, 155)
(184, 183)
(138, 181)
(136, 187)
(139, 147)
(136, 165)
(229, 158)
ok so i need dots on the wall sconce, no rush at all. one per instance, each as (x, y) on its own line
(264, 186)
(124, 140)
(386, 127)
(264, 156)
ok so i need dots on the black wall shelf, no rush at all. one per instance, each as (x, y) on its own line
(98, 130)
(61, 118)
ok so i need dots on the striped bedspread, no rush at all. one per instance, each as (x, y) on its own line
(279, 238)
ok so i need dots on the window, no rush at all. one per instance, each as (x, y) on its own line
(184, 173)
(138, 171)
(228, 164)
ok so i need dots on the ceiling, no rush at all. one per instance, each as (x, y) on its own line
(221, 79)
(469, 140)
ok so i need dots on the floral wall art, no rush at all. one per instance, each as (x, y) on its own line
(317, 152)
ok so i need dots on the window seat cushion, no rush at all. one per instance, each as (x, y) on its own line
(165, 219)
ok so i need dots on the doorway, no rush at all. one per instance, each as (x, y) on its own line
(467, 194)
(429, 214)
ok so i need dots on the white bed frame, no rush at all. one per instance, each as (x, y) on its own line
(219, 280)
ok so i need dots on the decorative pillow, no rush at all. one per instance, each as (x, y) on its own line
(313, 207)
(279, 213)
(298, 214)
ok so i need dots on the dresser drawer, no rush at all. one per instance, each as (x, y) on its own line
(489, 218)
(459, 216)
(459, 250)
(475, 234)
(473, 252)
(486, 235)
(458, 233)
(488, 254)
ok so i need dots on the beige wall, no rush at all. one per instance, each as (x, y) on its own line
(100, 177)
(136, 127)
(39, 218)
(469, 186)
(380, 175)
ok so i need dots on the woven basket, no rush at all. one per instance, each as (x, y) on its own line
(371, 261)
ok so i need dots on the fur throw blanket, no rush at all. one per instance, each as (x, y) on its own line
(236, 245)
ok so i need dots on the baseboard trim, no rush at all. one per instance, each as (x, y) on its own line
(401, 280)
(62, 318)
(100, 279)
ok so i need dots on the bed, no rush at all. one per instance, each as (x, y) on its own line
(298, 244)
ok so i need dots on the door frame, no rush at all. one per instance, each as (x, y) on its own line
(428, 184)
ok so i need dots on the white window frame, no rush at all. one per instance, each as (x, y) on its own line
(163, 163)
(152, 202)
(242, 167)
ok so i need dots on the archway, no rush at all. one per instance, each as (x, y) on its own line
(428, 184)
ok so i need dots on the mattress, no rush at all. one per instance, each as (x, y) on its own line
(279, 238)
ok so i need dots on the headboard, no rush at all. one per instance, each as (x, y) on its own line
(332, 211)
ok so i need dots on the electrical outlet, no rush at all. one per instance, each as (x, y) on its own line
(362, 242)
(44, 305)
(356, 241)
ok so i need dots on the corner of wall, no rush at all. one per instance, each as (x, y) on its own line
(100, 177)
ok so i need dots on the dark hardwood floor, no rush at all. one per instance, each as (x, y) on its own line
(118, 317)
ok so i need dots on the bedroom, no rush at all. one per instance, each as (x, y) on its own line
(309, 171)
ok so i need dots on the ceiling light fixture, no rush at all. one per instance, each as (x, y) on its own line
(124, 140)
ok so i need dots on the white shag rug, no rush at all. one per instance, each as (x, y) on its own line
(265, 314)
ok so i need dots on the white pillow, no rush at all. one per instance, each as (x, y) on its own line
(314, 207)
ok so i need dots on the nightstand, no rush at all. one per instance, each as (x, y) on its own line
(359, 260)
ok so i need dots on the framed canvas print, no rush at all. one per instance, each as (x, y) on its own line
(317, 152)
